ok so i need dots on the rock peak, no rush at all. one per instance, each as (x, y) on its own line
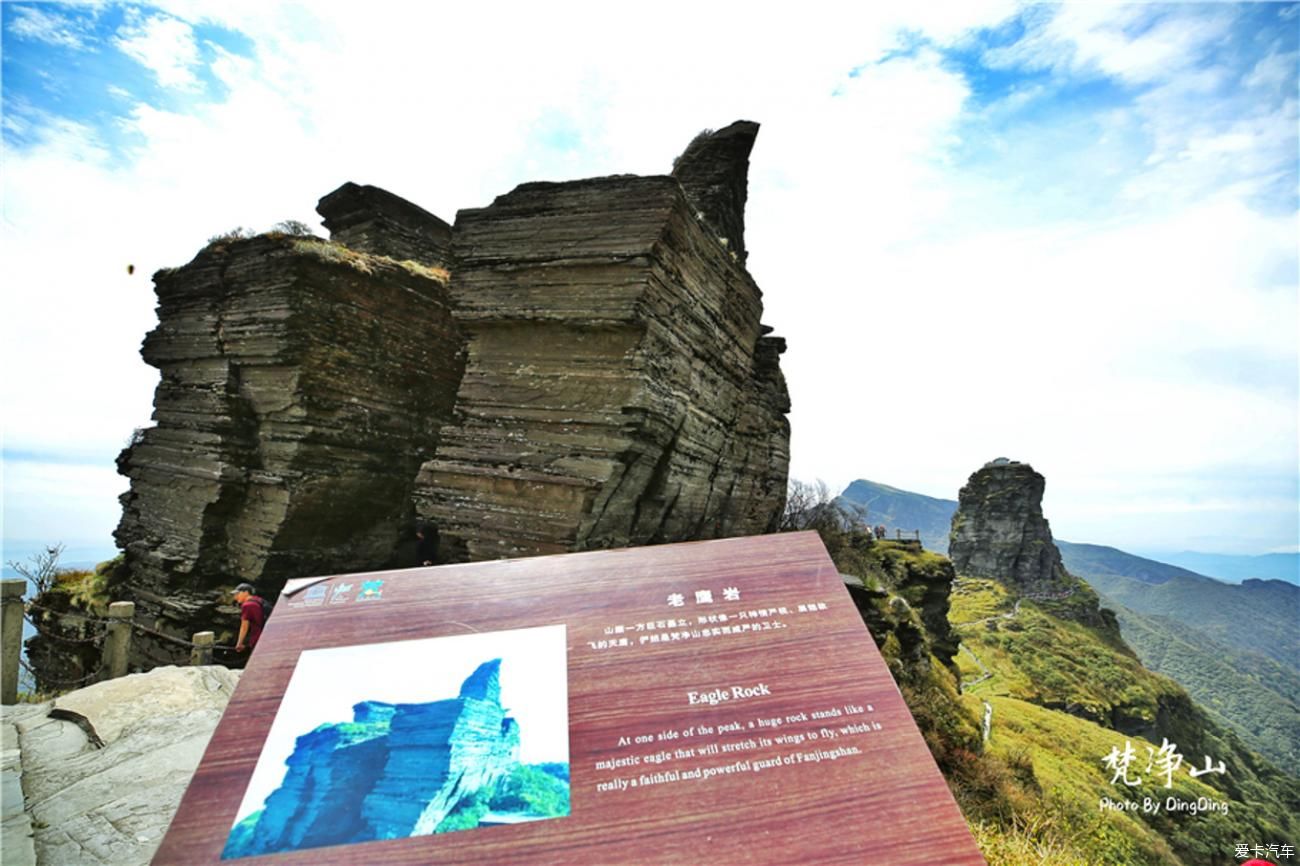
(999, 530)
(714, 172)
(373, 220)
(485, 683)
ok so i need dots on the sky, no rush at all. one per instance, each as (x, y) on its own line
(327, 683)
(1066, 235)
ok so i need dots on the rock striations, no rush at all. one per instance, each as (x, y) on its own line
(619, 387)
(714, 172)
(577, 365)
(302, 386)
(373, 220)
(999, 530)
(393, 771)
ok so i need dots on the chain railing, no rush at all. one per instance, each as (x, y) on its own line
(109, 636)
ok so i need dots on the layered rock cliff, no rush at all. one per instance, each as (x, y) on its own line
(393, 771)
(302, 385)
(620, 388)
(577, 365)
(999, 530)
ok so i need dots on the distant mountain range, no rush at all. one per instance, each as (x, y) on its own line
(1234, 646)
(902, 509)
(932, 517)
(1235, 569)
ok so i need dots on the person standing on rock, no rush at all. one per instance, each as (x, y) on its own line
(252, 616)
(427, 551)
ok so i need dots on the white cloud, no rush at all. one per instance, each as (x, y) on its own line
(39, 23)
(165, 46)
(1138, 43)
(937, 315)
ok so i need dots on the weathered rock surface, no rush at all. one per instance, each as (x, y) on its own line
(619, 386)
(394, 771)
(373, 220)
(599, 341)
(903, 591)
(111, 805)
(999, 531)
(714, 172)
(302, 386)
(16, 844)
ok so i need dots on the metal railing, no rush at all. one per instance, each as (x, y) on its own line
(110, 636)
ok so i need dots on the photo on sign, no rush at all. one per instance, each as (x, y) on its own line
(412, 738)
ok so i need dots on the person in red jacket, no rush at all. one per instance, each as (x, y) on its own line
(251, 616)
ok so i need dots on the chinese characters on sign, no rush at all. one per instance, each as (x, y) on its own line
(702, 625)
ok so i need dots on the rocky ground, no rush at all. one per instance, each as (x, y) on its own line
(94, 777)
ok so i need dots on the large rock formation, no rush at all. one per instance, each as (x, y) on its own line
(302, 386)
(599, 341)
(393, 771)
(619, 387)
(999, 531)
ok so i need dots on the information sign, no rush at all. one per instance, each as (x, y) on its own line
(714, 702)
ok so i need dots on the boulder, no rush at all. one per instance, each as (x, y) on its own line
(93, 804)
(373, 220)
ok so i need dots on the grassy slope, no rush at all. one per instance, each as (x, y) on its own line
(1037, 657)
(1211, 638)
(1258, 616)
(1247, 691)
(1040, 664)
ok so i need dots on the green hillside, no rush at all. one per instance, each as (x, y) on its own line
(1087, 560)
(1052, 691)
(901, 509)
(1234, 647)
(1257, 616)
(1247, 691)
(1062, 695)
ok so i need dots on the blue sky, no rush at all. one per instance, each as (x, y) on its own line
(1063, 234)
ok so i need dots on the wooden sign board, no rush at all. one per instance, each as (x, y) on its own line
(714, 702)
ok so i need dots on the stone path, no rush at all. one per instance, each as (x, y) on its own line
(16, 848)
(985, 673)
(89, 806)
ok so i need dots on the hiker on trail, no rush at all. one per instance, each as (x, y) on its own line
(252, 616)
(427, 551)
